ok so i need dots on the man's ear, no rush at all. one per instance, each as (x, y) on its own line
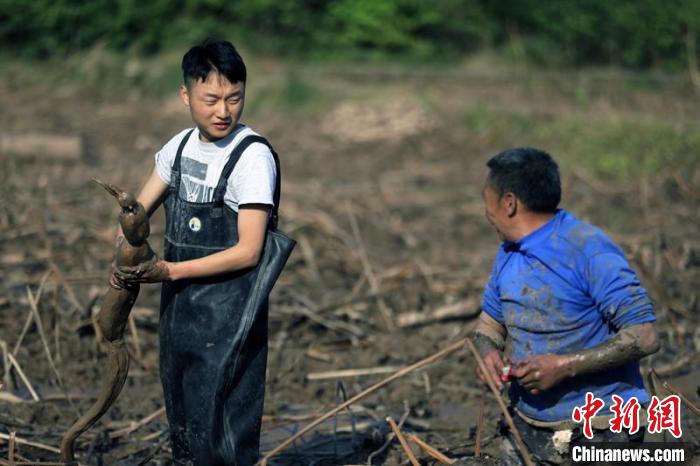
(510, 203)
(184, 95)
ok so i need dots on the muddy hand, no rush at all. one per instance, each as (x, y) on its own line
(539, 373)
(494, 365)
(114, 282)
(118, 283)
(152, 271)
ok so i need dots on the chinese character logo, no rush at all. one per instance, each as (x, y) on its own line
(626, 416)
(665, 415)
(661, 415)
(587, 412)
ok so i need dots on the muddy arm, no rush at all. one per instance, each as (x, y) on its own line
(543, 371)
(629, 344)
(489, 339)
(621, 300)
(489, 334)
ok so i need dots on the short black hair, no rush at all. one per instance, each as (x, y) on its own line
(531, 174)
(213, 55)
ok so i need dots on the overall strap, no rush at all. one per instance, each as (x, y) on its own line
(175, 170)
(235, 156)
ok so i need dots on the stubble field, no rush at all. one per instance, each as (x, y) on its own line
(382, 175)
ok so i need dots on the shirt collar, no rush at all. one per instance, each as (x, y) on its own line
(216, 146)
(531, 239)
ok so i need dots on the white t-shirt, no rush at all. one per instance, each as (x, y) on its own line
(251, 182)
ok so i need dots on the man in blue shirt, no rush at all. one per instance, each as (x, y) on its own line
(577, 317)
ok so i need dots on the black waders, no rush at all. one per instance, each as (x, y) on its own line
(213, 331)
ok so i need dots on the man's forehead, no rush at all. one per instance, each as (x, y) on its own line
(217, 82)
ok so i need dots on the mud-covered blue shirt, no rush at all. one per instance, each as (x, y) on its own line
(563, 288)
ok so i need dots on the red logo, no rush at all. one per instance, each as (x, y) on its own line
(587, 412)
(665, 415)
(661, 415)
(626, 416)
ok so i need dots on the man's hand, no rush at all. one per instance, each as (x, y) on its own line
(114, 282)
(152, 271)
(494, 365)
(542, 372)
(118, 240)
(493, 361)
(489, 339)
(252, 224)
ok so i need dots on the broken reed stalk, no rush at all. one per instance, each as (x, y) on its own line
(351, 373)
(135, 336)
(335, 325)
(685, 399)
(58, 275)
(429, 449)
(463, 309)
(21, 441)
(11, 449)
(152, 435)
(22, 376)
(137, 425)
(480, 425)
(6, 365)
(30, 314)
(310, 258)
(23, 333)
(57, 336)
(401, 373)
(34, 305)
(367, 269)
(675, 391)
(390, 438)
(509, 420)
(402, 441)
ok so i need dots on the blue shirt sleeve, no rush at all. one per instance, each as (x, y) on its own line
(616, 291)
(491, 301)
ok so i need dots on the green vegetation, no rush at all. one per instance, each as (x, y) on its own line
(617, 149)
(123, 48)
(630, 33)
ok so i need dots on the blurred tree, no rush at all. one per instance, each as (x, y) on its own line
(633, 33)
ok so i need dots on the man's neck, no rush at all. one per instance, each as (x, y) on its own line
(529, 222)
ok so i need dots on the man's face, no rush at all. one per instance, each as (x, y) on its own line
(216, 105)
(497, 209)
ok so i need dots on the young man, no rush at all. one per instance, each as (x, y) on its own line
(219, 189)
(577, 317)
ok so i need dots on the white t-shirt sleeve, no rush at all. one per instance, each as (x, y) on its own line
(253, 178)
(165, 158)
